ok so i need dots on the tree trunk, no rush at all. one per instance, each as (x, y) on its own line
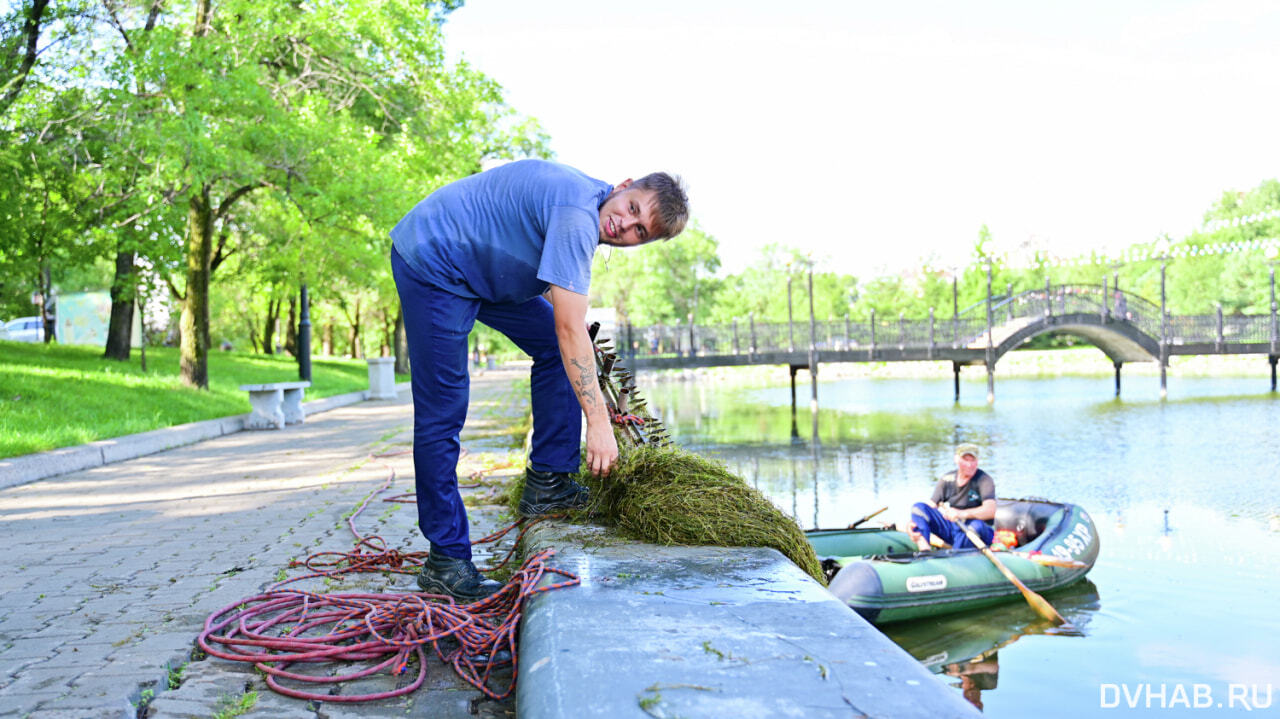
(326, 340)
(194, 351)
(120, 328)
(253, 334)
(269, 326)
(355, 332)
(291, 330)
(49, 319)
(401, 344)
(30, 37)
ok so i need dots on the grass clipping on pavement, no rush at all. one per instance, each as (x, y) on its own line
(666, 495)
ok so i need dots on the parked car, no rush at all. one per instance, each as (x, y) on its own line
(26, 329)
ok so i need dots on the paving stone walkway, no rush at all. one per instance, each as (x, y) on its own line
(111, 572)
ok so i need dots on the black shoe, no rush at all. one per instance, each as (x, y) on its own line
(546, 492)
(457, 578)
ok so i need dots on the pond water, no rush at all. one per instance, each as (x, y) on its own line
(1181, 613)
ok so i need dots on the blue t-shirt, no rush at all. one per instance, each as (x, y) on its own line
(505, 234)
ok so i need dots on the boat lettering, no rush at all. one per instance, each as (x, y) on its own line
(1075, 543)
(927, 583)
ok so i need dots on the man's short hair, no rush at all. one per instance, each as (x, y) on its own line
(673, 203)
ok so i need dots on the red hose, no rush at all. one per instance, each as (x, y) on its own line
(381, 632)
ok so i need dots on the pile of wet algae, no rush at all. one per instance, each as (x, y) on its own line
(666, 495)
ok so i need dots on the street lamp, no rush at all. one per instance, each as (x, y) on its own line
(955, 310)
(791, 326)
(1162, 246)
(1272, 253)
(990, 355)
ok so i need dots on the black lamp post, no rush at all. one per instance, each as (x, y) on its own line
(791, 324)
(990, 355)
(304, 337)
(1163, 246)
(1273, 355)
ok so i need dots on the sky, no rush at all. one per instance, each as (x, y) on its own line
(876, 135)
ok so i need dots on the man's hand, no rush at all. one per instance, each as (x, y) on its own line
(580, 365)
(602, 449)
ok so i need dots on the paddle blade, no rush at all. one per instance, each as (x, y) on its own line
(1037, 602)
(1042, 606)
(1049, 560)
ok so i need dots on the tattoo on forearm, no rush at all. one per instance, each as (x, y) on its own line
(584, 384)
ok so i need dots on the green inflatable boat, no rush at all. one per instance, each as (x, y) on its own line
(881, 575)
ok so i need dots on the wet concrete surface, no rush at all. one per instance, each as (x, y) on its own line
(707, 632)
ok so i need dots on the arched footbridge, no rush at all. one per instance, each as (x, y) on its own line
(1124, 326)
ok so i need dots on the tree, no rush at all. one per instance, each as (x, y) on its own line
(42, 183)
(20, 32)
(295, 101)
(660, 282)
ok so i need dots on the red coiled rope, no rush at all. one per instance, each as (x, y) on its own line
(383, 632)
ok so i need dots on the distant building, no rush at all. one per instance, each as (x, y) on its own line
(83, 317)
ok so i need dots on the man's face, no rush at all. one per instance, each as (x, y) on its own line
(966, 466)
(627, 216)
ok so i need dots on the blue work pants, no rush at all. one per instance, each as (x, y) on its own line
(436, 324)
(929, 521)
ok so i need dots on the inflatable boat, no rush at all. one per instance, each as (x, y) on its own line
(881, 575)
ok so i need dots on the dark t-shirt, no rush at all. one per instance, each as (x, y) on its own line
(979, 488)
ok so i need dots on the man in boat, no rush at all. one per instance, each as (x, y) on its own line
(512, 247)
(966, 495)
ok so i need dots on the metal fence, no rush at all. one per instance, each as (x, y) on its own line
(967, 330)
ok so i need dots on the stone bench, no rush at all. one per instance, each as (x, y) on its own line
(275, 404)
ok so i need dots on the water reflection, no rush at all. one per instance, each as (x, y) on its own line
(966, 646)
(1185, 495)
(977, 674)
(1037, 440)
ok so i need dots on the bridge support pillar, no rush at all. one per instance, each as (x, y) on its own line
(793, 369)
(1164, 379)
(955, 370)
(1272, 359)
(813, 374)
(813, 379)
(1118, 366)
(991, 383)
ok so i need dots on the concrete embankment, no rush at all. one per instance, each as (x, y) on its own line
(706, 632)
(118, 565)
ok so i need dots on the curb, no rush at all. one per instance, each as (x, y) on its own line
(665, 631)
(42, 465)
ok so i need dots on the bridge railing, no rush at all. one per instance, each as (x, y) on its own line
(754, 338)
(747, 338)
(1219, 329)
(1009, 314)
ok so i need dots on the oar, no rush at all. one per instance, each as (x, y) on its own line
(1037, 602)
(869, 516)
(1050, 560)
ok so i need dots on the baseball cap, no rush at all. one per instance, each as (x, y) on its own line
(966, 448)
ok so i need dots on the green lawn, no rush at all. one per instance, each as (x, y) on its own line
(57, 396)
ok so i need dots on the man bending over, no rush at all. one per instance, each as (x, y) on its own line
(512, 248)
